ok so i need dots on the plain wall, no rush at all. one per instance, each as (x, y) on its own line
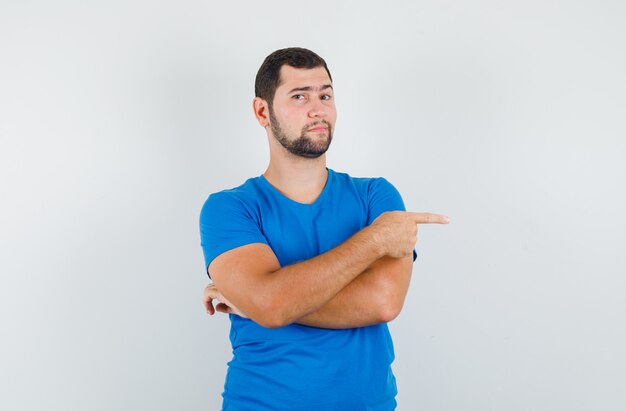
(118, 118)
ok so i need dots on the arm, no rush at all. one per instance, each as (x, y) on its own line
(375, 296)
(251, 277)
(272, 296)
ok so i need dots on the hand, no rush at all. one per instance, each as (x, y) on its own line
(396, 231)
(224, 306)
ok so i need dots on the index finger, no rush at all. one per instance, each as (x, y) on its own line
(429, 218)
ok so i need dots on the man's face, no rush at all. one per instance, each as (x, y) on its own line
(302, 115)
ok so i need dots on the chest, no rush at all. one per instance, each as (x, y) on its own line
(299, 232)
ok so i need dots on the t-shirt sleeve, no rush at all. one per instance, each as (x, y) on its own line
(226, 223)
(382, 197)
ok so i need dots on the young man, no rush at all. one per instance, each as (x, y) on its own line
(310, 263)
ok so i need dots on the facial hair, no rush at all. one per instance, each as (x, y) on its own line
(303, 146)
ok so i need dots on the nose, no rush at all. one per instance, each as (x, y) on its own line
(317, 110)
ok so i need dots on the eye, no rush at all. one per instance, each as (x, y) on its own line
(298, 97)
(326, 97)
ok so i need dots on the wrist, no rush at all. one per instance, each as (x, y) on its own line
(375, 243)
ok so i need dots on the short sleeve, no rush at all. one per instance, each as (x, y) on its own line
(382, 197)
(226, 222)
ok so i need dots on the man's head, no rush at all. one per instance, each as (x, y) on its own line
(294, 101)
(268, 76)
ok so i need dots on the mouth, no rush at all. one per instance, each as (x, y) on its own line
(318, 129)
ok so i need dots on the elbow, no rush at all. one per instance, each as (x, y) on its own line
(269, 313)
(270, 321)
(389, 312)
(391, 303)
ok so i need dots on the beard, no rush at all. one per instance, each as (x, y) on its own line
(302, 146)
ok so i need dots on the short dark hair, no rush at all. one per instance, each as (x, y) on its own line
(268, 76)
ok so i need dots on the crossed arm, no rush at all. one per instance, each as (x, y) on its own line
(362, 281)
(375, 296)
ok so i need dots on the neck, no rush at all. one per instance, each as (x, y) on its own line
(301, 179)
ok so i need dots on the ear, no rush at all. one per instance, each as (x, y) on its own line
(261, 111)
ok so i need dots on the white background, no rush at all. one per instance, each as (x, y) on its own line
(118, 118)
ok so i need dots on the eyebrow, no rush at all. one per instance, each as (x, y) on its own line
(309, 88)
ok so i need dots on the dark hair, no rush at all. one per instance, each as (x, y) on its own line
(268, 76)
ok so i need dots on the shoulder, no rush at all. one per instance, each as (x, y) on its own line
(243, 198)
(230, 219)
(241, 194)
(377, 194)
(367, 186)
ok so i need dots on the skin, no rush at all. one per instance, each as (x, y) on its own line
(363, 281)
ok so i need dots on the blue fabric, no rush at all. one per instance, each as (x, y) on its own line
(298, 367)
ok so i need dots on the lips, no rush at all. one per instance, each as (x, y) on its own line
(318, 128)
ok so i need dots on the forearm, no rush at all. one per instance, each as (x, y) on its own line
(375, 296)
(297, 290)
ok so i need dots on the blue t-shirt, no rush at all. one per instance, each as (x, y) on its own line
(297, 367)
